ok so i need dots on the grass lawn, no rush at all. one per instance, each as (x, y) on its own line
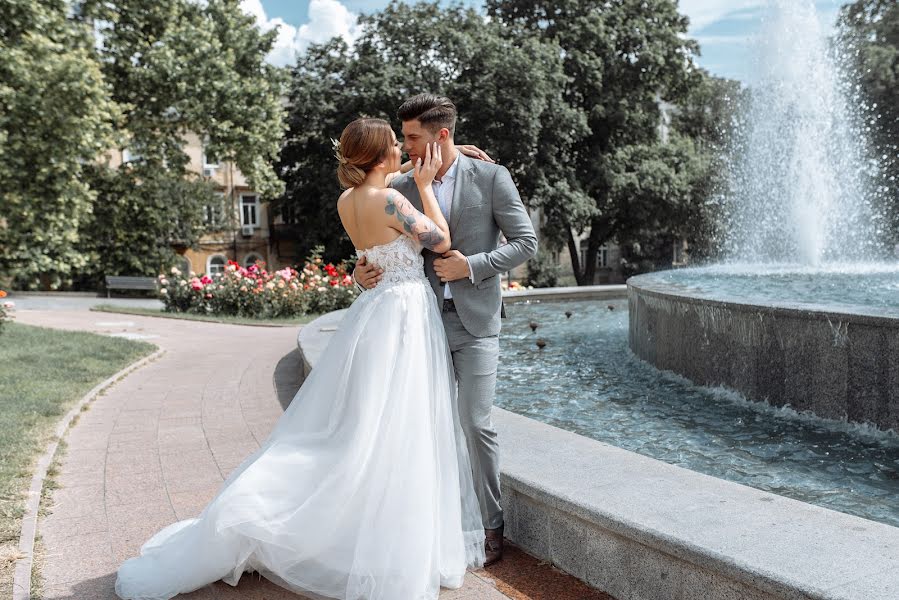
(43, 373)
(158, 312)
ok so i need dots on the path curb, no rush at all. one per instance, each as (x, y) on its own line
(22, 577)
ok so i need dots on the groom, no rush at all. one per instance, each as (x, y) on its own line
(480, 202)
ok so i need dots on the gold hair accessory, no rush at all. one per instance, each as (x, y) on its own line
(337, 153)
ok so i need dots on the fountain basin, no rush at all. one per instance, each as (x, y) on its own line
(837, 361)
(641, 528)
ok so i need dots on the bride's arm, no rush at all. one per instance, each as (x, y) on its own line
(433, 234)
(430, 228)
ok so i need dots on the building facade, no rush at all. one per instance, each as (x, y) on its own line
(240, 226)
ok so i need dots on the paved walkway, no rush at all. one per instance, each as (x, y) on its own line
(74, 301)
(155, 448)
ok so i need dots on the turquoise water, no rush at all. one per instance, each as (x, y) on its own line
(586, 380)
(869, 288)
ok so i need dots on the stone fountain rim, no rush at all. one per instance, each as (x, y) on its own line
(648, 284)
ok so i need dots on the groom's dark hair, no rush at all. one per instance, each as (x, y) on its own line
(432, 111)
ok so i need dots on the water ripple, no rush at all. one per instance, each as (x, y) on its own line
(587, 381)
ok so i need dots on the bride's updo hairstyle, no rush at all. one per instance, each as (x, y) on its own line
(363, 144)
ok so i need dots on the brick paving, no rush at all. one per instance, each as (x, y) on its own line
(157, 445)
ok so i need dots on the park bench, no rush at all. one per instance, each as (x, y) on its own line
(129, 283)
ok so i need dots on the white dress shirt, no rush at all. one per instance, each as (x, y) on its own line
(443, 190)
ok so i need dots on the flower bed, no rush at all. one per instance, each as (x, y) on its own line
(256, 292)
(5, 308)
(514, 287)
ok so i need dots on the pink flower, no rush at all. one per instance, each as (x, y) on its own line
(196, 284)
(206, 279)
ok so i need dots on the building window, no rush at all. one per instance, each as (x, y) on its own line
(214, 213)
(602, 256)
(216, 264)
(289, 214)
(210, 161)
(251, 259)
(249, 210)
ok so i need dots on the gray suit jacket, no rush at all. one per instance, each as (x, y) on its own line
(485, 204)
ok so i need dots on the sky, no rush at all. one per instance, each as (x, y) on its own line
(724, 28)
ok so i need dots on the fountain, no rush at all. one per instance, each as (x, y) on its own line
(804, 309)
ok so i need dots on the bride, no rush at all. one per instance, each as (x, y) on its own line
(363, 490)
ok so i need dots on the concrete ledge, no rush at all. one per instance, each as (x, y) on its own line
(586, 292)
(641, 529)
(838, 365)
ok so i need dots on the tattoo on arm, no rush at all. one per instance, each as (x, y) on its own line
(415, 223)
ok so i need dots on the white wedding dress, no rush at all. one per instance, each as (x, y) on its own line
(363, 491)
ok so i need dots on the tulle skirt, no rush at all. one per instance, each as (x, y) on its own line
(362, 491)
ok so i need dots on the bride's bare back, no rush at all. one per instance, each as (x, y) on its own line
(375, 216)
(362, 213)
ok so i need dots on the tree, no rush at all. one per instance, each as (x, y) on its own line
(55, 117)
(710, 113)
(870, 31)
(508, 92)
(177, 66)
(622, 59)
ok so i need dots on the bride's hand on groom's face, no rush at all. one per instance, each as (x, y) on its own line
(367, 275)
(426, 170)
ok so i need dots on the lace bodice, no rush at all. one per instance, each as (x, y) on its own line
(401, 260)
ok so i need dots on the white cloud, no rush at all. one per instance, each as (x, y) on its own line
(709, 40)
(327, 19)
(703, 13)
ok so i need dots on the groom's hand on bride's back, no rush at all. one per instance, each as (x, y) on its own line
(366, 275)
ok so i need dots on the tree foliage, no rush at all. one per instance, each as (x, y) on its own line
(622, 59)
(176, 66)
(870, 30)
(55, 116)
(161, 69)
(508, 92)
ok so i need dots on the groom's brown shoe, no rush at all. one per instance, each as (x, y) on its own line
(493, 545)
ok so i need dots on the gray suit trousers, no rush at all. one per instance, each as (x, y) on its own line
(475, 360)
